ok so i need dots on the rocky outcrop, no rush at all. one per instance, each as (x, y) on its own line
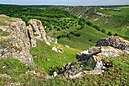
(20, 40)
(94, 57)
(115, 42)
(36, 31)
(19, 44)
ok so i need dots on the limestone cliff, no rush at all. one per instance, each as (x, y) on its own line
(21, 38)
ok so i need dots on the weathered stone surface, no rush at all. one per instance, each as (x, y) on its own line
(36, 31)
(19, 44)
(21, 38)
(50, 39)
(114, 41)
(95, 56)
(85, 55)
(71, 69)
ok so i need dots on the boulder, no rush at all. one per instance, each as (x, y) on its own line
(116, 42)
(50, 39)
(36, 31)
(94, 57)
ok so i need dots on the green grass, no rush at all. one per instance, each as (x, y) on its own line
(17, 71)
(118, 75)
(45, 58)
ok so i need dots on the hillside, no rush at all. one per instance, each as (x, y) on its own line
(59, 24)
(50, 46)
(111, 20)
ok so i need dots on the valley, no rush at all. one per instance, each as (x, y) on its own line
(64, 45)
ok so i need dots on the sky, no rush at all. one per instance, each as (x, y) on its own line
(66, 2)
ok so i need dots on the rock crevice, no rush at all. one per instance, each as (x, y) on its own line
(21, 38)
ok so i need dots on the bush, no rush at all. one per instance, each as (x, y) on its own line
(115, 34)
(89, 23)
(103, 31)
(96, 27)
(109, 33)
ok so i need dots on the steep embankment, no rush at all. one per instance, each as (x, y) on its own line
(109, 20)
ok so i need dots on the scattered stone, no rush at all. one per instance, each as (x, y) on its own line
(58, 49)
(33, 73)
(55, 74)
(13, 84)
(5, 76)
(50, 39)
(67, 46)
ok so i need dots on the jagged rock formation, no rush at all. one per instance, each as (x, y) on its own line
(115, 42)
(19, 44)
(94, 57)
(81, 11)
(36, 31)
(21, 38)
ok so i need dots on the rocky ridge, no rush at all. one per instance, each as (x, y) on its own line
(92, 61)
(21, 38)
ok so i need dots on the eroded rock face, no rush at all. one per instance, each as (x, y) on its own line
(116, 42)
(36, 31)
(21, 38)
(94, 57)
(19, 44)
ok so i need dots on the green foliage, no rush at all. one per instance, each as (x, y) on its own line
(109, 33)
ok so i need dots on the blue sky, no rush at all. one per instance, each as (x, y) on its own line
(66, 2)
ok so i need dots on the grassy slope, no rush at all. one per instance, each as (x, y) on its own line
(115, 76)
(89, 36)
(17, 71)
(116, 22)
(45, 58)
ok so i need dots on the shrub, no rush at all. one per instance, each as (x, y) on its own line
(115, 34)
(109, 33)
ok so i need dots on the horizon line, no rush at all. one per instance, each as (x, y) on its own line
(60, 5)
